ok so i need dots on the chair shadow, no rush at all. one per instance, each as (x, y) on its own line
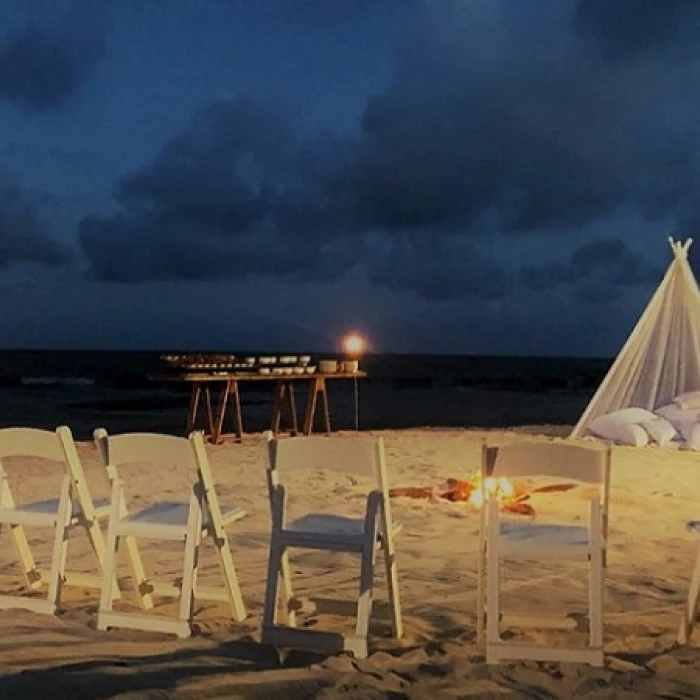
(98, 679)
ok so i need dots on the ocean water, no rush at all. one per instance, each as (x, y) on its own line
(113, 389)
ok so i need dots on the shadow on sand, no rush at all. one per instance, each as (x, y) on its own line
(232, 670)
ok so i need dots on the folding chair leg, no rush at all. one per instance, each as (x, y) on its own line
(392, 574)
(364, 602)
(32, 576)
(493, 603)
(233, 587)
(60, 544)
(97, 541)
(189, 569)
(480, 603)
(692, 604)
(596, 602)
(285, 579)
(138, 574)
(141, 584)
(109, 570)
(271, 588)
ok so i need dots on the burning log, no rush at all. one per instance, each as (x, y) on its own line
(511, 495)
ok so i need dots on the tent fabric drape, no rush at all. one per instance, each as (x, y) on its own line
(661, 357)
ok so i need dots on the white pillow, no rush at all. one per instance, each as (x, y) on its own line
(633, 414)
(660, 430)
(612, 427)
(675, 413)
(683, 421)
(671, 412)
(688, 400)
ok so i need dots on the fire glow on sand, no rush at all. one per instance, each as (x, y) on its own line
(512, 495)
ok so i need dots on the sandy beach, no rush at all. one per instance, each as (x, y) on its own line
(653, 493)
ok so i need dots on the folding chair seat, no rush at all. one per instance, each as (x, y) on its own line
(374, 530)
(72, 508)
(522, 540)
(199, 519)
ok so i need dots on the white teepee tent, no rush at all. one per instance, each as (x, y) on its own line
(661, 358)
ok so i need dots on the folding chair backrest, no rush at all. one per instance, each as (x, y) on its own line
(30, 442)
(152, 448)
(55, 446)
(585, 464)
(359, 456)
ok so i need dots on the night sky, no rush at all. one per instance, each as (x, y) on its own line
(461, 176)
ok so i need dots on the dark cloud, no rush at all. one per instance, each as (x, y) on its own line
(332, 11)
(493, 109)
(596, 270)
(628, 28)
(240, 192)
(506, 113)
(41, 68)
(23, 235)
(438, 272)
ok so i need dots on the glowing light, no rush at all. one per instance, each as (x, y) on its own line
(354, 344)
(501, 487)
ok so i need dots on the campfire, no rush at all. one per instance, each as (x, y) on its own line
(502, 487)
(512, 495)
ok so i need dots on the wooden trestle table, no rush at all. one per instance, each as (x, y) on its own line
(229, 397)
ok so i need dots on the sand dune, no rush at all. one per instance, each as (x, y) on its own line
(654, 492)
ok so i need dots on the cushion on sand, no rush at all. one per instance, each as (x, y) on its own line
(683, 421)
(621, 429)
(688, 400)
(660, 430)
(633, 414)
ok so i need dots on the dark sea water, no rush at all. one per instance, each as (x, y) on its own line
(112, 389)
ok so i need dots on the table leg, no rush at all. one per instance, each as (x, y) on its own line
(221, 412)
(311, 405)
(291, 403)
(277, 408)
(210, 413)
(326, 411)
(194, 405)
(235, 398)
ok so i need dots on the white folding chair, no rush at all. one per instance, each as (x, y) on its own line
(690, 612)
(511, 539)
(190, 522)
(72, 508)
(364, 535)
